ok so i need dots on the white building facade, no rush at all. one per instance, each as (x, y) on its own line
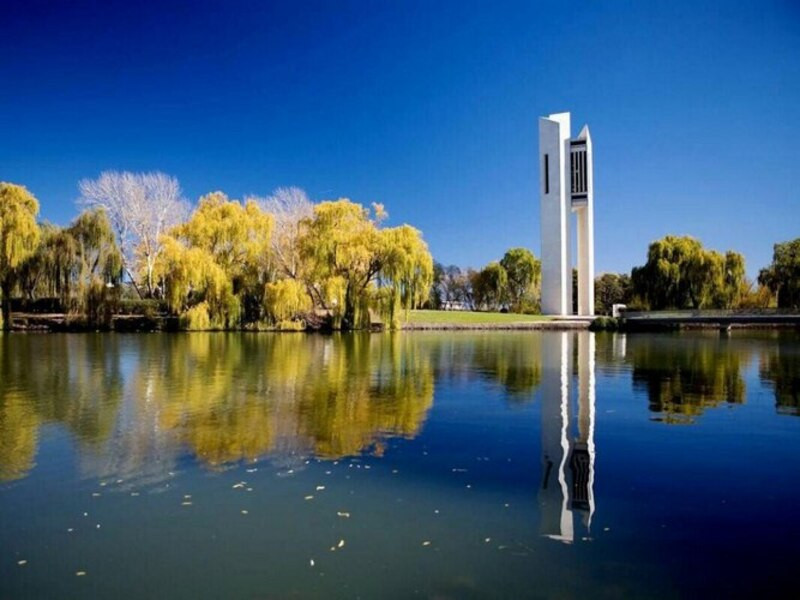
(566, 176)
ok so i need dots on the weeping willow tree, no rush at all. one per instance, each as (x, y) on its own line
(50, 270)
(354, 265)
(214, 267)
(681, 273)
(406, 270)
(285, 301)
(19, 235)
(81, 265)
(229, 265)
(98, 265)
(196, 288)
(341, 247)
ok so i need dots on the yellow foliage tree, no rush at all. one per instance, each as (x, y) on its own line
(406, 269)
(220, 257)
(285, 300)
(236, 235)
(347, 255)
(341, 241)
(191, 277)
(19, 235)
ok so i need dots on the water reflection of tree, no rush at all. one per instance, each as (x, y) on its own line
(233, 397)
(19, 434)
(780, 369)
(513, 362)
(72, 380)
(226, 397)
(685, 376)
(370, 387)
(510, 359)
(212, 395)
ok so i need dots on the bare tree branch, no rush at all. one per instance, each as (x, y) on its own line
(289, 206)
(141, 207)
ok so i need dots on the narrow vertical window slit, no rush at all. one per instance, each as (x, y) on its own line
(546, 173)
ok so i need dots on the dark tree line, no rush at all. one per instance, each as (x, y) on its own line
(679, 273)
(512, 284)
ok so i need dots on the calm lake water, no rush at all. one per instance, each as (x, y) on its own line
(446, 465)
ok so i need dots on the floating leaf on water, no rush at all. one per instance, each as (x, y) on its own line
(606, 528)
(134, 493)
(237, 485)
(187, 496)
(22, 562)
(103, 483)
(367, 467)
(394, 471)
(327, 472)
(311, 562)
(85, 514)
(252, 470)
(487, 540)
(345, 515)
(341, 544)
(459, 470)
(436, 511)
(309, 498)
(95, 494)
(187, 503)
(98, 526)
(80, 573)
(320, 487)
(244, 512)
(426, 543)
(69, 530)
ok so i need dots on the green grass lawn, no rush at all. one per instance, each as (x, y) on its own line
(463, 316)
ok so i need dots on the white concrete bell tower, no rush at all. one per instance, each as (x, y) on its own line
(566, 187)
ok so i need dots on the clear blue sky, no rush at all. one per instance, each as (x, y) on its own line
(429, 107)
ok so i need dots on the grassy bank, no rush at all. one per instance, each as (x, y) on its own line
(469, 317)
(422, 319)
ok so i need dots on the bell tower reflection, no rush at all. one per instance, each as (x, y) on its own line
(566, 495)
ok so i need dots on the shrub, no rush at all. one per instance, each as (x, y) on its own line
(292, 325)
(285, 300)
(196, 318)
(604, 324)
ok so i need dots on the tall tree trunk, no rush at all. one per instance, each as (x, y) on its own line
(149, 277)
(6, 303)
(133, 282)
(348, 322)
